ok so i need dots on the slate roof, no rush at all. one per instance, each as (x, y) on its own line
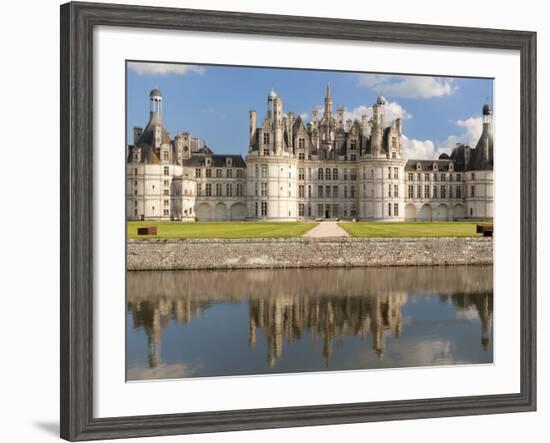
(218, 161)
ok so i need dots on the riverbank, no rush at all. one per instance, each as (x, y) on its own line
(265, 253)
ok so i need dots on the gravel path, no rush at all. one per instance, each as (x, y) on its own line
(326, 229)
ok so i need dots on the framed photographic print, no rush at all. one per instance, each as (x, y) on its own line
(272, 221)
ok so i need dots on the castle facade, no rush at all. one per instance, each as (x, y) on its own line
(327, 168)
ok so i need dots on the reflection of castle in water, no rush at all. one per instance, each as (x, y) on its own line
(289, 304)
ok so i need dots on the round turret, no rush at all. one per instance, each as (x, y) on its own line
(381, 100)
(155, 93)
(271, 95)
(487, 109)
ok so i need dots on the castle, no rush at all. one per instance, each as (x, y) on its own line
(327, 168)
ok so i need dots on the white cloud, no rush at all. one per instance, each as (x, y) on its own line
(427, 149)
(417, 149)
(161, 69)
(408, 86)
(304, 116)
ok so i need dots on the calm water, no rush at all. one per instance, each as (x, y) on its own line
(215, 323)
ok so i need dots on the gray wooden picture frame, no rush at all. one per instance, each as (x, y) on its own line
(78, 21)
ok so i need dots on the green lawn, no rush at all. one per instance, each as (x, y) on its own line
(222, 229)
(418, 229)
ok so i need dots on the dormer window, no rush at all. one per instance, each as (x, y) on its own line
(228, 162)
(435, 166)
(208, 161)
(451, 167)
(418, 166)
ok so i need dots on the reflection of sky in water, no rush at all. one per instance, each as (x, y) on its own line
(213, 330)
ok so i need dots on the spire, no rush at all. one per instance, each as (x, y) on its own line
(328, 90)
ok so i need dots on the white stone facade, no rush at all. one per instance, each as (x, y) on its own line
(327, 168)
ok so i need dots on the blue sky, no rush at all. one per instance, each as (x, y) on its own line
(212, 102)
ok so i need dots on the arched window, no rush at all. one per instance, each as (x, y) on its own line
(335, 174)
(320, 174)
(327, 173)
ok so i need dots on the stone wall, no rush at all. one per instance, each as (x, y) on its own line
(156, 254)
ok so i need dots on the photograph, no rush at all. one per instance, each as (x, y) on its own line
(284, 220)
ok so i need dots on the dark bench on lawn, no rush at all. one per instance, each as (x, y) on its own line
(147, 230)
(486, 230)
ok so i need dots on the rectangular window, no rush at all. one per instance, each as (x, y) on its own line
(389, 172)
(410, 191)
(395, 191)
(419, 176)
(264, 189)
(239, 189)
(218, 173)
(389, 190)
(458, 177)
(435, 192)
(435, 177)
(327, 191)
(266, 138)
(419, 191)
(320, 174)
(300, 209)
(473, 176)
(208, 190)
(352, 191)
(345, 173)
(353, 157)
(165, 155)
(135, 171)
(327, 174)
(166, 170)
(264, 171)
(443, 192)
(301, 191)
(301, 156)
(209, 173)
(166, 192)
(411, 176)
(389, 209)
(345, 192)
(166, 212)
(309, 210)
(199, 189)
(335, 174)
(229, 173)
(396, 209)
(320, 192)
(301, 143)
(229, 189)
(166, 183)
(472, 191)
(353, 145)
(256, 189)
(309, 191)
(443, 177)
(266, 152)
(394, 142)
(218, 189)
(301, 174)
(335, 191)
(353, 174)
(427, 177)
(426, 191)
(256, 209)
(450, 191)
(396, 173)
(319, 210)
(459, 191)
(264, 209)
(240, 173)
(166, 202)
